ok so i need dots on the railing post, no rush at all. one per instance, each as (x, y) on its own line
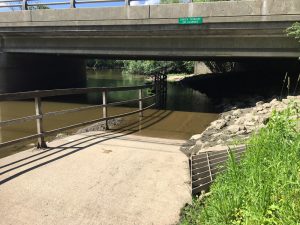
(39, 122)
(104, 102)
(141, 102)
(24, 5)
(127, 2)
(157, 91)
(72, 4)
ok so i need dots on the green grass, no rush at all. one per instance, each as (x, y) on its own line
(264, 188)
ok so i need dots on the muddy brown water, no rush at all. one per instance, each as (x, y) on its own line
(188, 111)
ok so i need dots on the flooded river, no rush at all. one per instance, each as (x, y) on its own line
(188, 111)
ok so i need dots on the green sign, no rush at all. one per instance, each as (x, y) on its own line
(190, 20)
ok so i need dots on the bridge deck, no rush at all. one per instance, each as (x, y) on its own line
(230, 29)
(96, 178)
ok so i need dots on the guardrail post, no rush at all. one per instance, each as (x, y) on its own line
(72, 3)
(24, 5)
(39, 122)
(157, 91)
(141, 102)
(104, 102)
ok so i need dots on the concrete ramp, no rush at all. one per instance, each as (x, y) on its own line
(96, 178)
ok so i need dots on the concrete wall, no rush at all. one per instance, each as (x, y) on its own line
(37, 72)
(226, 11)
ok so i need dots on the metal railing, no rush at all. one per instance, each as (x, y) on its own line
(39, 115)
(32, 4)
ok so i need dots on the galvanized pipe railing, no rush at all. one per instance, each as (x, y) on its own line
(39, 115)
(30, 4)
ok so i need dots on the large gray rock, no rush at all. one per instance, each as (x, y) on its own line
(219, 124)
(237, 113)
(235, 128)
(196, 136)
(259, 103)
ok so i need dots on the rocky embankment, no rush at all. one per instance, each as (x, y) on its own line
(236, 125)
(100, 126)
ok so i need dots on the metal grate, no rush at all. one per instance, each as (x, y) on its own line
(206, 165)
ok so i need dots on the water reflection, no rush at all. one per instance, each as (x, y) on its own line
(180, 98)
(112, 78)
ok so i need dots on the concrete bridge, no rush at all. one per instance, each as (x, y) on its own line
(231, 30)
(254, 28)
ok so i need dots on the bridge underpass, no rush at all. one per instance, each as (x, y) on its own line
(241, 30)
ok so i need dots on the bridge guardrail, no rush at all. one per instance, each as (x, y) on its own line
(31, 4)
(39, 115)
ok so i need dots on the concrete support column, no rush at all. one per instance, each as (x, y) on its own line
(27, 72)
(201, 68)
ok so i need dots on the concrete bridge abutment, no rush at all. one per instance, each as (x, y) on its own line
(27, 72)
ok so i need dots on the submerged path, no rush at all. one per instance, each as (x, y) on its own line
(96, 178)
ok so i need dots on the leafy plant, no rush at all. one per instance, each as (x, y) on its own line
(264, 188)
(151, 67)
(294, 30)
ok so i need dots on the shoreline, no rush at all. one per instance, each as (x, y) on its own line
(172, 78)
(236, 126)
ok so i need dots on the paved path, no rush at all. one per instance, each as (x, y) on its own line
(95, 178)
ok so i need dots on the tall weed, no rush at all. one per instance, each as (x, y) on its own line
(264, 187)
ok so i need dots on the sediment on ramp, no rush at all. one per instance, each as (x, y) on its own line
(96, 178)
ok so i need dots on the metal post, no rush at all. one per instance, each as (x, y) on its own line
(209, 168)
(141, 102)
(158, 92)
(72, 4)
(104, 102)
(165, 85)
(24, 5)
(39, 123)
(127, 2)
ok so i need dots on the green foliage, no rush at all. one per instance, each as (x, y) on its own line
(150, 67)
(209, 0)
(264, 188)
(294, 31)
(182, 1)
(169, 1)
(38, 7)
(104, 64)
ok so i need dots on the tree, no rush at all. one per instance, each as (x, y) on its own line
(104, 64)
(151, 67)
(294, 30)
(37, 7)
